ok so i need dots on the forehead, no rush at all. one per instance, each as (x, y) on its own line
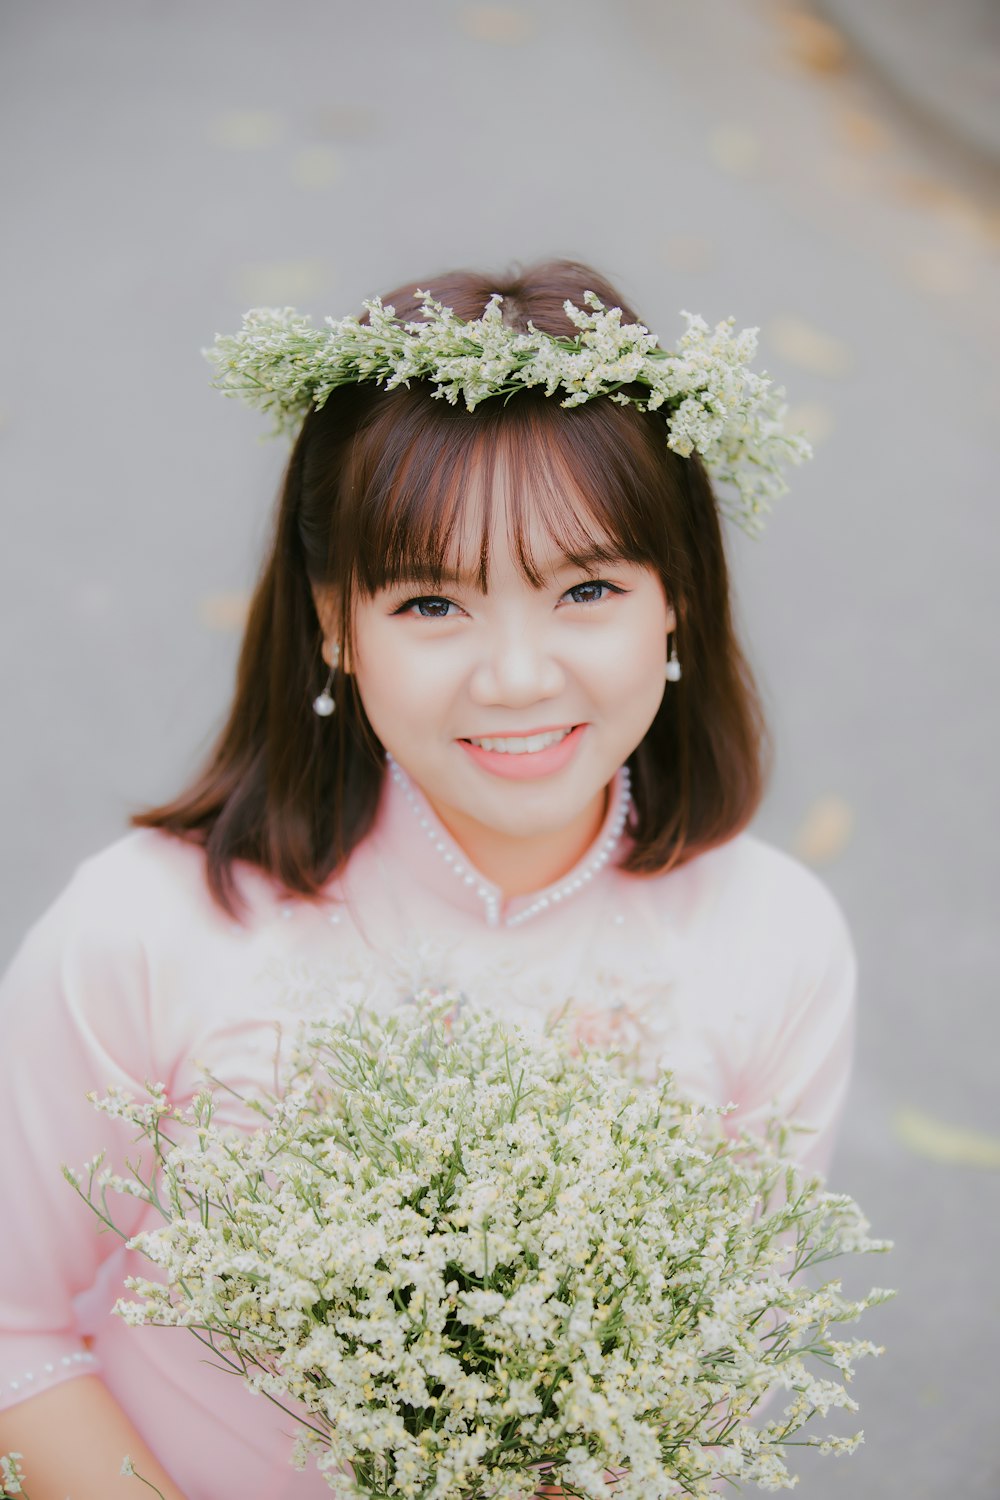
(520, 525)
(502, 498)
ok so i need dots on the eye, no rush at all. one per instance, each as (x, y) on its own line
(592, 592)
(428, 607)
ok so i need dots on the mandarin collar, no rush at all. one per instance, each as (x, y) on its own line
(410, 830)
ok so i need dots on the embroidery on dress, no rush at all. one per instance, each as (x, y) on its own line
(634, 1020)
(603, 1010)
(308, 988)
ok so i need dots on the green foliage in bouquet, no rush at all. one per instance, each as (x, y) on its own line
(11, 1475)
(13, 1478)
(460, 1254)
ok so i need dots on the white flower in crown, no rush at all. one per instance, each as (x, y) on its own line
(713, 403)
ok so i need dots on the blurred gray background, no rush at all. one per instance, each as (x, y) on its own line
(829, 174)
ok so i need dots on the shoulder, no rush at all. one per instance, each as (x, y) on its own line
(145, 885)
(133, 951)
(777, 888)
(758, 906)
(141, 879)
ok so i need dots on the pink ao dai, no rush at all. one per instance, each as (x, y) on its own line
(736, 971)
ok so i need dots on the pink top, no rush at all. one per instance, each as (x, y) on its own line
(736, 971)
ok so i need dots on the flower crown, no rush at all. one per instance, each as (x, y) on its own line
(713, 404)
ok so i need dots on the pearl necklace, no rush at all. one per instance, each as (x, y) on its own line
(489, 895)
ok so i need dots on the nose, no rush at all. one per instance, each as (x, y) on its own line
(517, 669)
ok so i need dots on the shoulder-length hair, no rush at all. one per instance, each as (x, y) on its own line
(373, 493)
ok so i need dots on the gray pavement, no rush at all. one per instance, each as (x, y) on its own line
(943, 61)
(167, 166)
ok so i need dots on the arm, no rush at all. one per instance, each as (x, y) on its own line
(800, 1062)
(73, 1018)
(73, 1439)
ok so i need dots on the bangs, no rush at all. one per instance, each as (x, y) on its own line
(428, 484)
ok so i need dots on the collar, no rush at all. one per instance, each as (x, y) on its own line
(409, 826)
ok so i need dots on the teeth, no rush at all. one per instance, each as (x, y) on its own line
(523, 745)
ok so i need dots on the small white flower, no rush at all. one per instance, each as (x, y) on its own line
(11, 1474)
(713, 403)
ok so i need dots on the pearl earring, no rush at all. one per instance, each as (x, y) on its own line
(672, 670)
(324, 704)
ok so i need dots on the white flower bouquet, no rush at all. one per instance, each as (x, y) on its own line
(470, 1261)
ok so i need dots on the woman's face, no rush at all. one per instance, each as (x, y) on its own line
(513, 708)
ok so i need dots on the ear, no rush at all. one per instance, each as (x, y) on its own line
(327, 605)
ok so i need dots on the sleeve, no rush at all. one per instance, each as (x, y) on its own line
(801, 1053)
(799, 1062)
(73, 1018)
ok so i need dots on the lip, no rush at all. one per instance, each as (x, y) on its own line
(530, 765)
(518, 734)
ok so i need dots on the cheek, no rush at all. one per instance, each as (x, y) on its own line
(639, 688)
(399, 684)
(629, 660)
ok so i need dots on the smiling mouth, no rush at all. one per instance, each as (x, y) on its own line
(520, 744)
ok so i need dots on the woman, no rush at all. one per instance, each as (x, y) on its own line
(492, 728)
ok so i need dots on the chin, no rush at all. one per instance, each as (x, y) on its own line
(531, 825)
(530, 809)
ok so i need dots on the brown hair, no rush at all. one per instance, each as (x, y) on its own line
(373, 492)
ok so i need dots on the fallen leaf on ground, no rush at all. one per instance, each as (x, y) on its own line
(344, 122)
(495, 23)
(951, 1144)
(935, 271)
(944, 202)
(862, 131)
(813, 418)
(247, 129)
(280, 283)
(689, 252)
(825, 831)
(316, 167)
(812, 43)
(808, 347)
(734, 149)
(226, 611)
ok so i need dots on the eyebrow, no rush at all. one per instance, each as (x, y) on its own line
(580, 561)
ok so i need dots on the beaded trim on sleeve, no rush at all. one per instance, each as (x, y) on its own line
(33, 1380)
(488, 894)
